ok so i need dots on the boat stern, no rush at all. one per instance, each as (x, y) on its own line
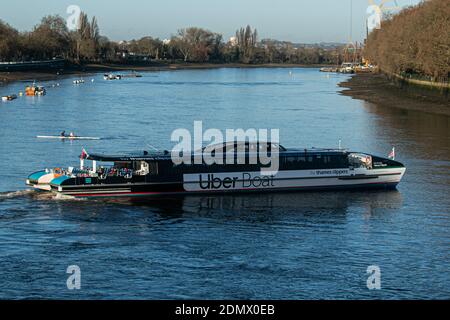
(42, 180)
(58, 182)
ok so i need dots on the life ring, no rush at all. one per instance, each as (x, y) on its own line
(57, 172)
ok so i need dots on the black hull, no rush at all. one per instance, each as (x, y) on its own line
(152, 191)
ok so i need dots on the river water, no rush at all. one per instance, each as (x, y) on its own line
(315, 245)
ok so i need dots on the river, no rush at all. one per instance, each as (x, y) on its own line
(315, 245)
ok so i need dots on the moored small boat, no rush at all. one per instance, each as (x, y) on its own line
(9, 98)
(34, 90)
(329, 69)
(112, 76)
(132, 75)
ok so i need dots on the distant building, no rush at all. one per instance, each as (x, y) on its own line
(166, 41)
(233, 41)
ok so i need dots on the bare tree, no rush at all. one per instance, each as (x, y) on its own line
(246, 40)
(197, 44)
(8, 41)
(415, 42)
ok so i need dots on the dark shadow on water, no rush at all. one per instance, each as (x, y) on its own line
(424, 135)
(267, 206)
(258, 208)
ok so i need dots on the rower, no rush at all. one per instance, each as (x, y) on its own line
(63, 134)
(72, 135)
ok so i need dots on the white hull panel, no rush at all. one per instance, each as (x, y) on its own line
(290, 179)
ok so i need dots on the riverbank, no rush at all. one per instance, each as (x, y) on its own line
(379, 90)
(85, 70)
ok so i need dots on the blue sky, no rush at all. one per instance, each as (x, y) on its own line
(306, 21)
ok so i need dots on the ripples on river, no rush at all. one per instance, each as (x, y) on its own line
(271, 246)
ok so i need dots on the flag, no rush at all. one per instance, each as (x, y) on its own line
(84, 154)
(392, 154)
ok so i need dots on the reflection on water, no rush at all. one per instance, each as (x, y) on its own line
(272, 206)
(264, 207)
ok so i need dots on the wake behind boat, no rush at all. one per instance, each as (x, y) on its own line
(68, 137)
(154, 173)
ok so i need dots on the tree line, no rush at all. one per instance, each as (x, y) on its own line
(414, 42)
(51, 38)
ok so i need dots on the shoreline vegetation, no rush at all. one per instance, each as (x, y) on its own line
(85, 49)
(414, 44)
(411, 50)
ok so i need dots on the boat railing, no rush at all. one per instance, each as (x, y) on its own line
(104, 172)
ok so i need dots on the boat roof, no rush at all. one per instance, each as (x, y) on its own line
(166, 155)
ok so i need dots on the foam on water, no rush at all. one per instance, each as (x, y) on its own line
(34, 195)
(16, 194)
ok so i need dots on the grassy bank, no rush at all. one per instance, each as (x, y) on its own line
(379, 90)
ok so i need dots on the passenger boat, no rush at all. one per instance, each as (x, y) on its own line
(155, 174)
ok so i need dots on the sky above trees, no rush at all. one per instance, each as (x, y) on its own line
(307, 21)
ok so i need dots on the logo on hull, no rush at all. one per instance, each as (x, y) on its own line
(243, 181)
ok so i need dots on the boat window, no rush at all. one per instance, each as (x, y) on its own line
(295, 163)
(291, 160)
(152, 167)
(318, 161)
(253, 147)
(359, 160)
(213, 149)
(123, 165)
